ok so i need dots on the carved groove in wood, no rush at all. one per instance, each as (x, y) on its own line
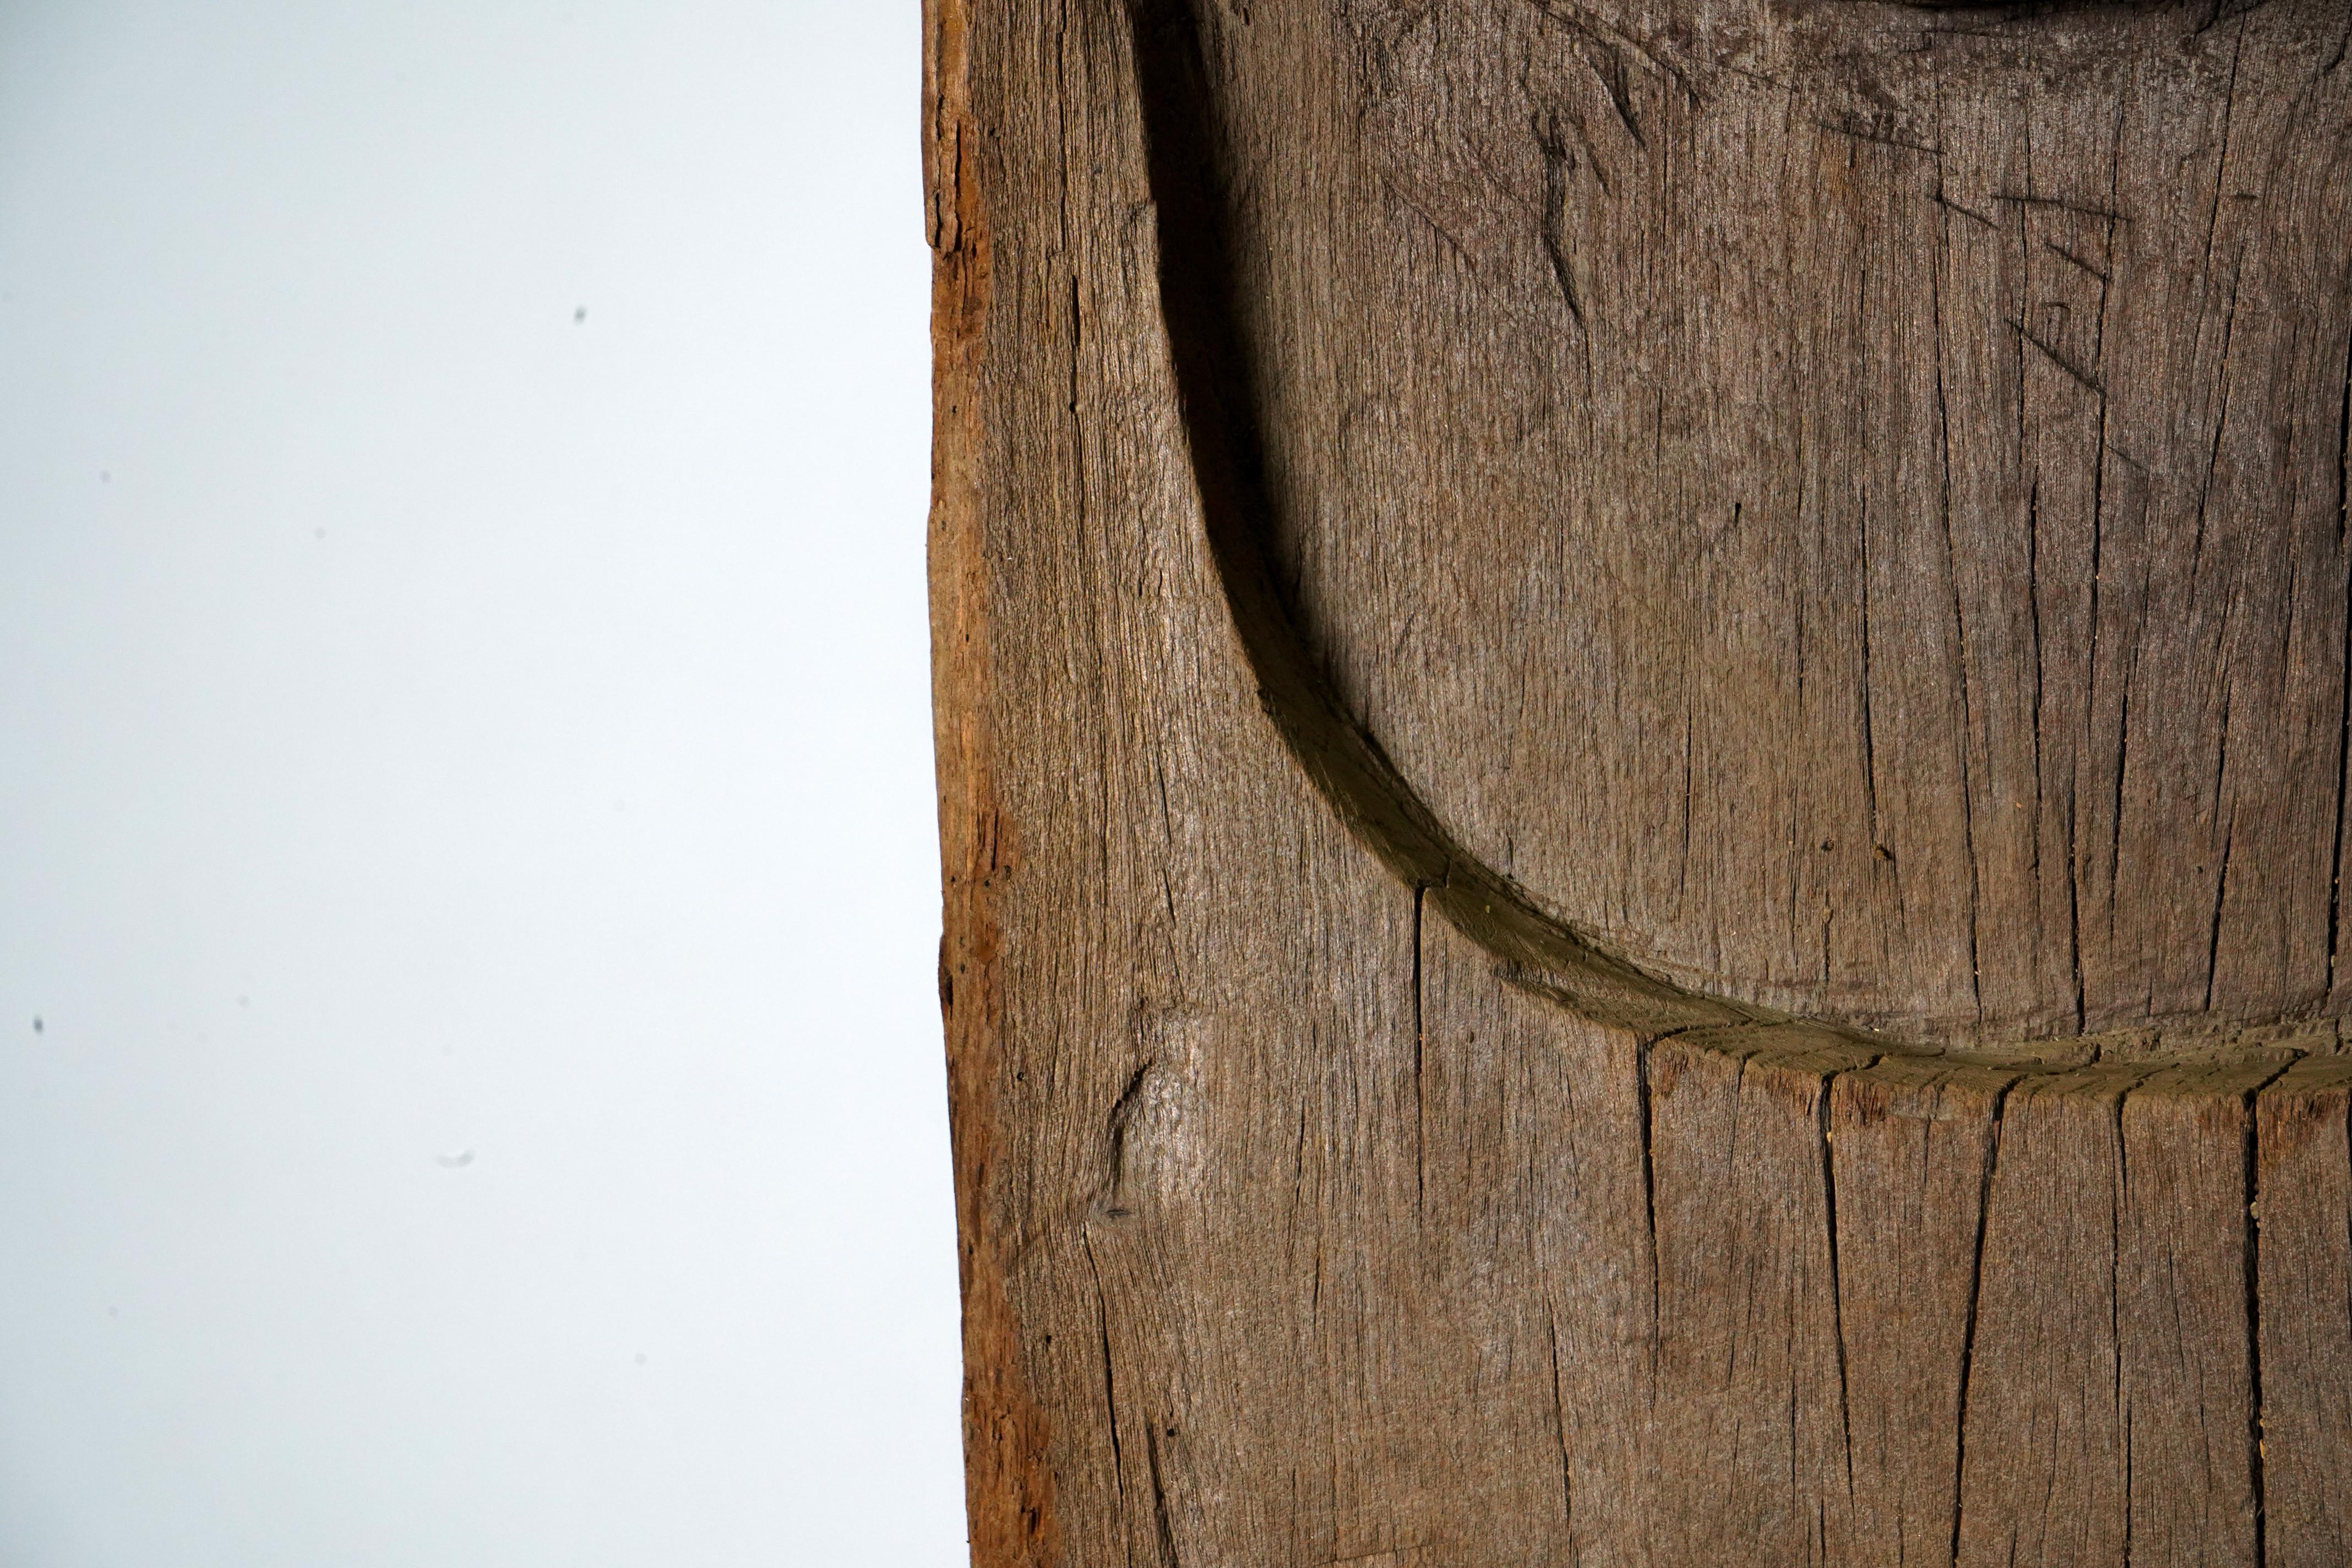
(1811, 535)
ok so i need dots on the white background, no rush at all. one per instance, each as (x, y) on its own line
(466, 825)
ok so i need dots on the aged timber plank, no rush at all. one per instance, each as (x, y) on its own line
(1480, 546)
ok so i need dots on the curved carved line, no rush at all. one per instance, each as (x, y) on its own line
(1218, 399)
(1219, 405)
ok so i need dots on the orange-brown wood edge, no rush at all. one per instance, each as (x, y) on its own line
(1009, 1481)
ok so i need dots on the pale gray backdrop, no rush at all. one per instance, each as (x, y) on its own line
(469, 1076)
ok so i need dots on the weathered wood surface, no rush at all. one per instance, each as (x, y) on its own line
(1481, 549)
(1844, 503)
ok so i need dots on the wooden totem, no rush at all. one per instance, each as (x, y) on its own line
(1642, 720)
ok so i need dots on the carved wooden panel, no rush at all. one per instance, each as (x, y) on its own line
(1642, 718)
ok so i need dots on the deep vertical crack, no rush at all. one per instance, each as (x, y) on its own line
(1837, 1288)
(2119, 1194)
(1968, 1319)
(1420, 1039)
(2343, 715)
(1163, 1526)
(1646, 1126)
(2251, 1151)
(1560, 1426)
(1110, 1385)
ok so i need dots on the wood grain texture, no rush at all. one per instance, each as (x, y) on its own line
(2044, 1478)
(2305, 1201)
(1486, 558)
(1791, 487)
(1913, 1146)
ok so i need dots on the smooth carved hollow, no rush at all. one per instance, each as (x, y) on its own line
(1637, 76)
